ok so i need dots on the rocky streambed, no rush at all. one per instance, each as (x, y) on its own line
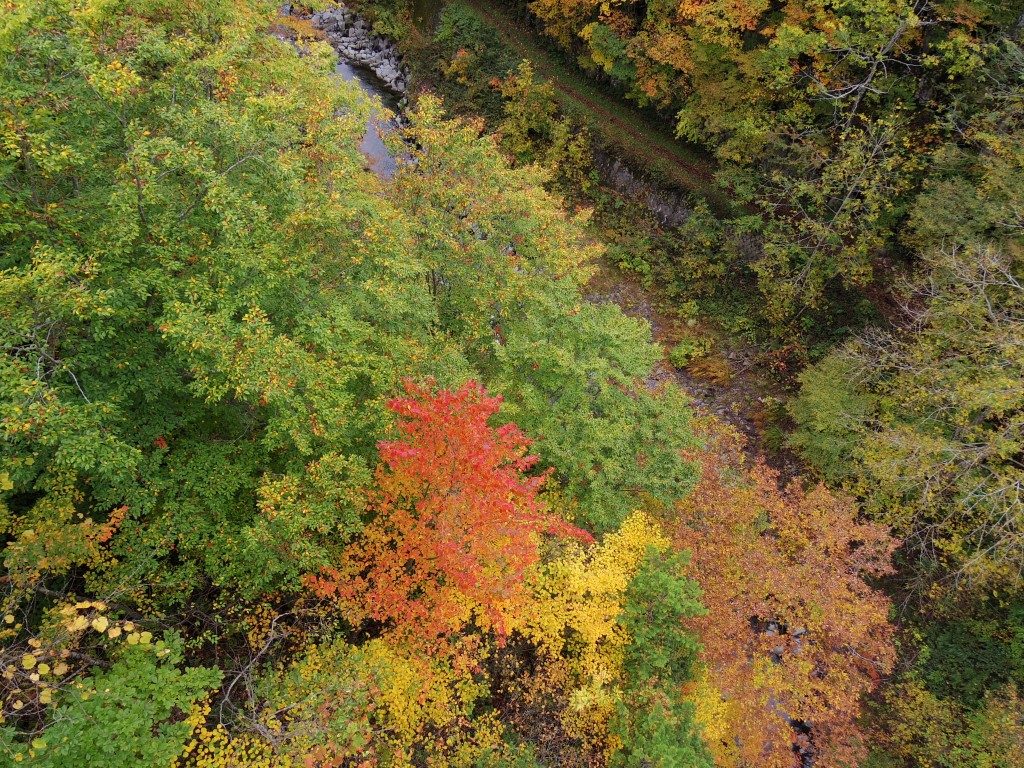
(354, 40)
(374, 64)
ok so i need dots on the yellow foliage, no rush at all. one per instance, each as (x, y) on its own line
(298, 28)
(216, 748)
(580, 596)
(384, 702)
(114, 81)
(715, 715)
(573, 611)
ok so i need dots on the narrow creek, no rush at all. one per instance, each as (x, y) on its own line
(379, 158)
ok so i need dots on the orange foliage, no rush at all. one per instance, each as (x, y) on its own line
(457, 525)
(793, 636)
(106, 532)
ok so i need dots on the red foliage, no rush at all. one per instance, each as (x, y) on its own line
(108, 530)
(458, 520)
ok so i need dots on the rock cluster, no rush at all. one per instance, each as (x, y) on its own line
(672, 207)
(354, 41)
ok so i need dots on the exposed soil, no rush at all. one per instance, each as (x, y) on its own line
(734, 382)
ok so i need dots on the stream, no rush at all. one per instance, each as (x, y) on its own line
(381, 160)
(381, 123)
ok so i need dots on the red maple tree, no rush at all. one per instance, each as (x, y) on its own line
(457, 519)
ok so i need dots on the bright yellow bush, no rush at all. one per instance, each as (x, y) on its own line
(381, 701)
(716, 717)
(580, 596)
(216, 748)
(573, 614)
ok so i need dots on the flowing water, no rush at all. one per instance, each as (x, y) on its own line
(381, 123)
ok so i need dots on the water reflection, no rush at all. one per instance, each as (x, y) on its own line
(381, 160)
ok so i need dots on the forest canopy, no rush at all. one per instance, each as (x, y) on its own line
(303, 465)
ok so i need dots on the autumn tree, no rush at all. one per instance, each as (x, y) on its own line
(607, 653)
(506, 265)
(533, 130)
(794, 636)
(934, 441)
(206, 302)
(456, 520)
(822, 116)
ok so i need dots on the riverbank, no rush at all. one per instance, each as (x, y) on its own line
(353, 39)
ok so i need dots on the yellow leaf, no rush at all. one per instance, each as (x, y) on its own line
(44, 669)
(114, 632)
(145, 637)
(133, 638)
(100, 624)
(28, 661)
(61, 669)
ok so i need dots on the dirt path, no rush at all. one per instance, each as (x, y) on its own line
(644, 136)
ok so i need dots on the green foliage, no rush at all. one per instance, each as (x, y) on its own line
(206, 302)
(658, 599)
(530, 113)
(834, 224)
(965, 657)
(130, 712)
(657, 730)
(688, 350)
(608, 51)
(974, 192)
(695, 255)
(503, 260)
(170, 344)
(923, 729)
(533, 131)
(655, 725)
(925, 432)
(470, 59)
(830, 411)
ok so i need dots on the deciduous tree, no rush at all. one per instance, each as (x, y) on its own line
(793, 636)
(456, 523)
